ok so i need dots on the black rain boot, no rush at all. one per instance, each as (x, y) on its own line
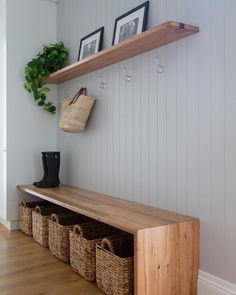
(45, 169)
(53, 165)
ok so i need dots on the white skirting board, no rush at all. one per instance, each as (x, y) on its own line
(10, 225)
(211, 285)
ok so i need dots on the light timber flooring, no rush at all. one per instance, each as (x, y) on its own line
(26, 268)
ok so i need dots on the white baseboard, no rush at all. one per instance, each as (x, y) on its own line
(14, 225)
(10, 225)
(211, 285)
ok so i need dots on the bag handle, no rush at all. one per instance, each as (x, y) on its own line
(83, 90)
(37, 209)
(23, 203)
(106, 243)
(55, 218)
(78, 230)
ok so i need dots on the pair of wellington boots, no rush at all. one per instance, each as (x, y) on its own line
(51, 167)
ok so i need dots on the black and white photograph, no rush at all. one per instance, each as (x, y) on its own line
(89, 49)
(91, 44)
(130, 24)
(128, 30)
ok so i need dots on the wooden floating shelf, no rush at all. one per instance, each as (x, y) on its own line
(158, 36)
(166, 244)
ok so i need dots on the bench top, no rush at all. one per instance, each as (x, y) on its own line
(123, 214)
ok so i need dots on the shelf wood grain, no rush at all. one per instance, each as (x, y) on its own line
(153, 38)
(166, 244)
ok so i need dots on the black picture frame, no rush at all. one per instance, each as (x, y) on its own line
(100, 40)
(145, 5)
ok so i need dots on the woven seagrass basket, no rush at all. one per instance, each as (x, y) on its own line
(115, 266)
(40, 218)
(25, 215)
(83, 241)
(59, 233)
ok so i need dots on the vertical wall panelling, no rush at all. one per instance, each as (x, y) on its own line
(144, 129)
(171, 105)
(205, 135)
(137, 127)
(192, 116)
(3, 101)
(218, 134)
(181, 117)
(230, 140)
(163, 139)
(162, 117)
(111, 109)
(30, 130)
(153, 131)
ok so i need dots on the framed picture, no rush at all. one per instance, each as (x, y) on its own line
(131, 23)
(91, 44)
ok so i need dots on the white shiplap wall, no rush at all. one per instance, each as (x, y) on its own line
(29, 130)
(165, 140)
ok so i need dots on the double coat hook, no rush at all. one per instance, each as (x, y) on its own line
(127, 77)
(160, 68)
(82, 84)
(64, 94)
(101, 83)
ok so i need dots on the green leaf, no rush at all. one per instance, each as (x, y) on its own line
(40, 103)
(52, 58)
(43, 97)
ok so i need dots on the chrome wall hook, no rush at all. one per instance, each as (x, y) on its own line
(101, 83)
(160, 68)
(127, 77)
(64, 94)
(82, 84)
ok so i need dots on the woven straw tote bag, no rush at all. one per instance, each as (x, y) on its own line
(75, 112)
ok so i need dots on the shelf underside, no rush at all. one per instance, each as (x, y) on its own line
(158, 36)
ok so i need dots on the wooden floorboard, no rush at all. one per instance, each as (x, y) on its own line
(26, 268)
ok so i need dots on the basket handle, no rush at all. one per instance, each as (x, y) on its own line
(78, 230)
(83, 90)
(37, 209)
(23, 203)
(55, 218)
(106, 243)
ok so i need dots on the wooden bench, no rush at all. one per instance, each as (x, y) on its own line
(166, 243)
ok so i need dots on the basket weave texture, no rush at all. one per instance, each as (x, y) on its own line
(115, 266)
(25, 215)
(40, 218)
(83, 241)
(75, 112)
(59, 233)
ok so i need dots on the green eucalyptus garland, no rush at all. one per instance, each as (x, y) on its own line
(53, 57)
